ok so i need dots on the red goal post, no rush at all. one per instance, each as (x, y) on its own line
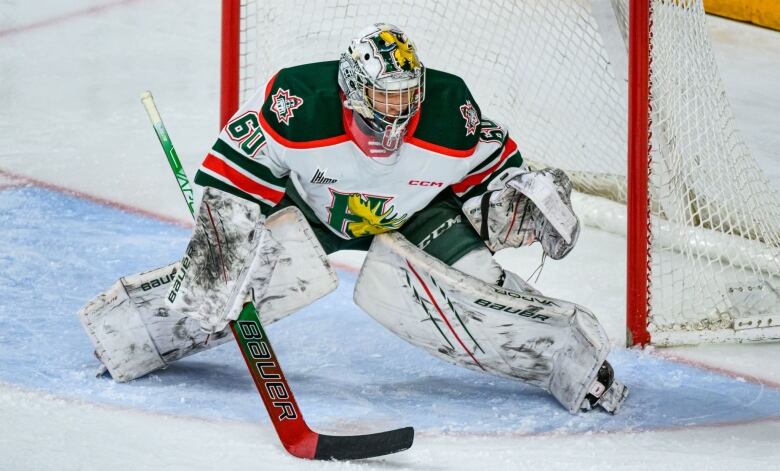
(638, 230)
(230, 65)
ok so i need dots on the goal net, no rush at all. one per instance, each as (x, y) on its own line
(555, 72)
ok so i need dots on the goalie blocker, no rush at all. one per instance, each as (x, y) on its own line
(553, 344)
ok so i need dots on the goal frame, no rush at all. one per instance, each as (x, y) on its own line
(638, 216)
(230, 60)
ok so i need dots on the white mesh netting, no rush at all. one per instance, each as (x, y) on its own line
(542, 67)
(723, 275)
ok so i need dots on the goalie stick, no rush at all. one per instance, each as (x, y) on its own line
(296, 436)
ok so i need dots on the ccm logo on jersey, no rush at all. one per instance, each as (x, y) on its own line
(425, 183)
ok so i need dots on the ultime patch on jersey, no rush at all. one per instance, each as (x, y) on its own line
(319, 177)
(246, 130)
(471, 116)
(283, 105)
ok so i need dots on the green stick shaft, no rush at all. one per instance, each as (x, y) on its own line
(293, 432)
(170, 152)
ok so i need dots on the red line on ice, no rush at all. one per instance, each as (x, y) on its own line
(63, 18)
(8, 186)
(717, 369)
(95, 199)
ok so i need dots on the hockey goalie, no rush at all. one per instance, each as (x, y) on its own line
(370, 152)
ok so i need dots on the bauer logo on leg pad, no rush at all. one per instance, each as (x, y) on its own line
(531, 312)
(185, 265)
(157, 282)
(546, 342)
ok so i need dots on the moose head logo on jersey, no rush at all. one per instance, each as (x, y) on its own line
(359, 215)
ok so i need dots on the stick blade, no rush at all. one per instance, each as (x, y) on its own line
(356, 447)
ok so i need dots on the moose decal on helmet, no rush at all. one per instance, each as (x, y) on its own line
(383, 81)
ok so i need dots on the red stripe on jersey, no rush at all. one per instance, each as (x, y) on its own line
(329, 141)
(473, 180)
(415, 141)
(241, 181)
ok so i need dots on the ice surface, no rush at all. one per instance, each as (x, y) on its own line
(70, 76)
(348, 373)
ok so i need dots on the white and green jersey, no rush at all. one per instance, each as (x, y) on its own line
(295, 132)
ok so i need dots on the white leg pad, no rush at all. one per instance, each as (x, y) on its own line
(554, 344)
(302, 274)
(134, 332)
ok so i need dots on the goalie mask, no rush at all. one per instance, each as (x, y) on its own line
(383, 82)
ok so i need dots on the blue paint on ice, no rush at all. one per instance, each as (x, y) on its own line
(57, 251)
